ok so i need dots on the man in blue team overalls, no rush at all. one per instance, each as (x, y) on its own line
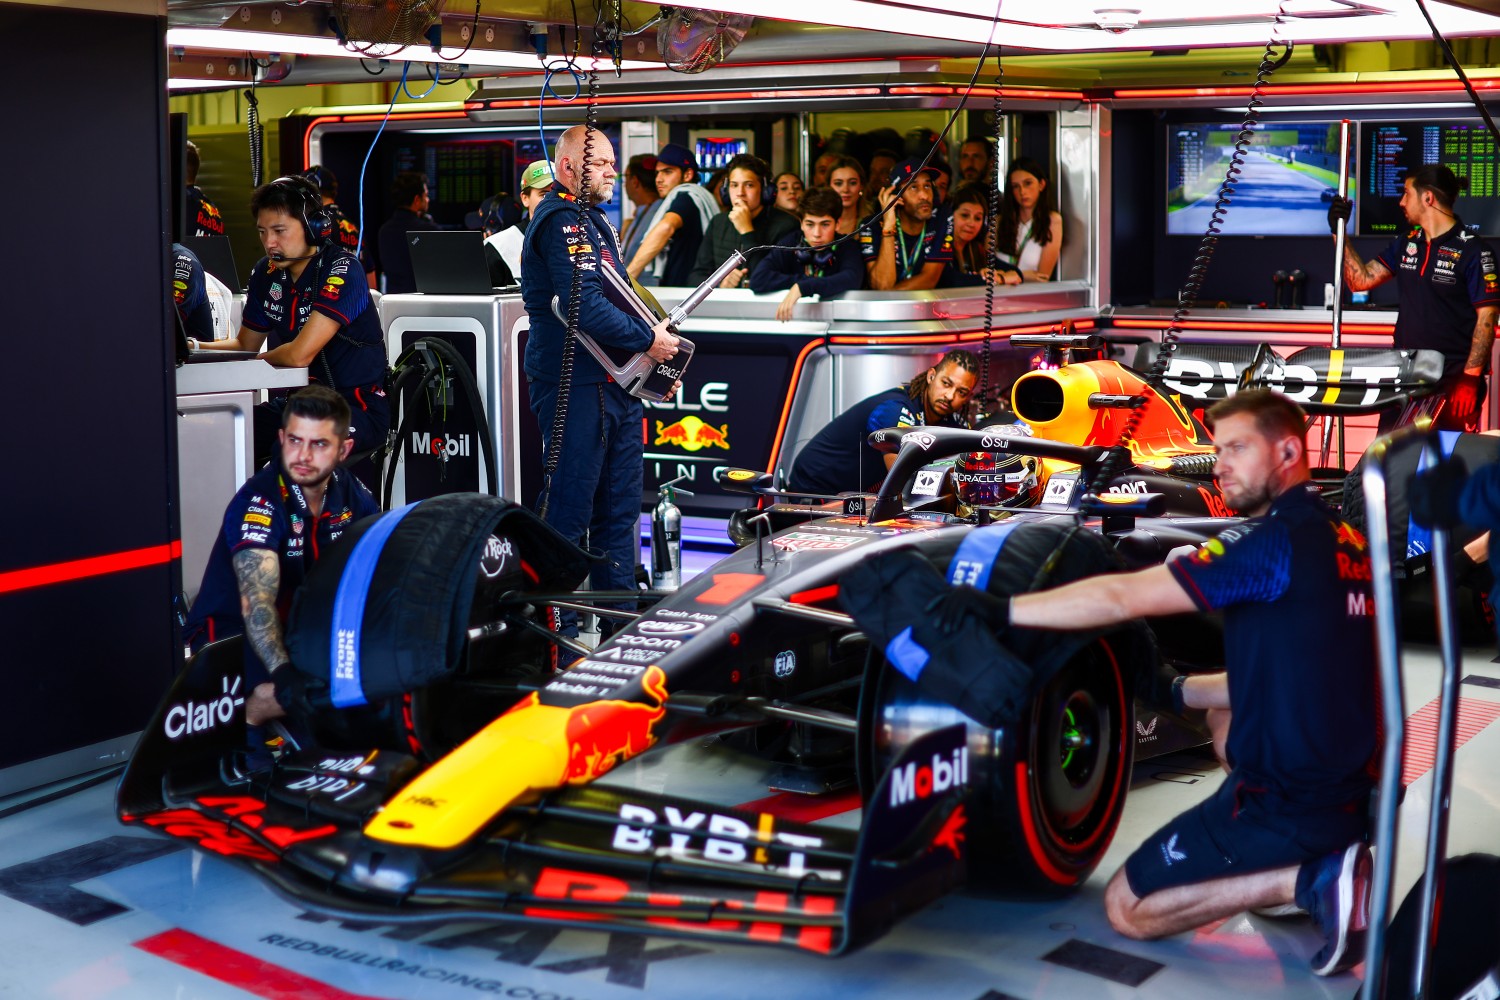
(594, 497)
(308, 295)
(275, 528)
(1287, 826)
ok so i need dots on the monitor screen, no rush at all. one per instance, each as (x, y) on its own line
(1290, 174)
(1389, 151)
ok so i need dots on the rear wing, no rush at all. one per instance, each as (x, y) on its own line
(1350, 381)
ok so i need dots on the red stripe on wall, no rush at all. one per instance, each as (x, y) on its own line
(1420, 752)
(804, 808)
(251, 974)
(79, 569)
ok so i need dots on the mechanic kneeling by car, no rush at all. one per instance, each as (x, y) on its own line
(1287, 828)
(273, 531)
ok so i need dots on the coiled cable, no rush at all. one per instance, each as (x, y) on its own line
(1187, 297)
(570, 339)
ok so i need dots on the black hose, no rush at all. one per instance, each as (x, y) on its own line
(455, 367)
(257, 138)
(570, 340)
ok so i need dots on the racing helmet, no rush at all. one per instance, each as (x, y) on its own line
(997, 478)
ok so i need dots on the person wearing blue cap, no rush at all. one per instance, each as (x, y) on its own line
(675, 230)
(903, 246)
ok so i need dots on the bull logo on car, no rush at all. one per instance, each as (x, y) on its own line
(603, 733)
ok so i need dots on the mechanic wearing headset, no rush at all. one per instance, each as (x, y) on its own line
(1286, 829)
(753, 220)
(903, 247)
(1450, 290)
(309, 296)
(594, 497)
(840, 458)
(274, 530)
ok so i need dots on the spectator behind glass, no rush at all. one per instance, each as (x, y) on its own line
(882, 162)
(942, 182)
(822, 167)
(808, 262)
(847, 178)
(966, 239)
(976, 159)
(640, 188)
(788, 191)
(1030, 231)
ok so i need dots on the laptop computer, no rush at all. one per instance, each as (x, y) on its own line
(448, 262)
(217, 258)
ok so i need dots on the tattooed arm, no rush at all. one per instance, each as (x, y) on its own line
(1360, 276)
(259, 576)
(1484, 339)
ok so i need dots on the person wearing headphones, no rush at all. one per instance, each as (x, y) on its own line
(344, 229)
(308, 297)
(807, 262)
(409, 191)
(1450, 291)
(753, 220)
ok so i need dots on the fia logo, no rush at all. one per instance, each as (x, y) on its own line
(786, 664)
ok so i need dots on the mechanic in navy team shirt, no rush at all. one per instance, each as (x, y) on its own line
(275, 528)
(595, 492)
(903, 246)
(190, 295)
(413, 200)
(839, 458)
(203, 218)
(308, 295)
(1286, 829)
(1450, 291)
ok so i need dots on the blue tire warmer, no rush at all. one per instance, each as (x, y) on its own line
(349, 609)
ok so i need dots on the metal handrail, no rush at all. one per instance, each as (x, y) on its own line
(1388, 651)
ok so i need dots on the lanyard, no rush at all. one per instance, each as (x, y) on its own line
(906, 260)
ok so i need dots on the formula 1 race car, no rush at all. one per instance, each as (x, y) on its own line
(443, 764)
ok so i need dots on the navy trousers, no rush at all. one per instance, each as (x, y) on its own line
(596, 490)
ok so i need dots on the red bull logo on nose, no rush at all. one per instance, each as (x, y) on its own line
(692, 434)
(603, 733)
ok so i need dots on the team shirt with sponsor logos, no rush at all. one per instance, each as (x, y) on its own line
(190, 294)
(269, 513)
(1294, 588)
(912, 252)
(346, 234)
(203, 218)
(840, 458)
(333, 283)
(555, 250)
(1442, 283)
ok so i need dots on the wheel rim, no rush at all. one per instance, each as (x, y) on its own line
(1073, 734)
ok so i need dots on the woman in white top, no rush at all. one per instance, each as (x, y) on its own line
(1030, 233)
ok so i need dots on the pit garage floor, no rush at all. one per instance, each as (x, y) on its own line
(91, 910)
